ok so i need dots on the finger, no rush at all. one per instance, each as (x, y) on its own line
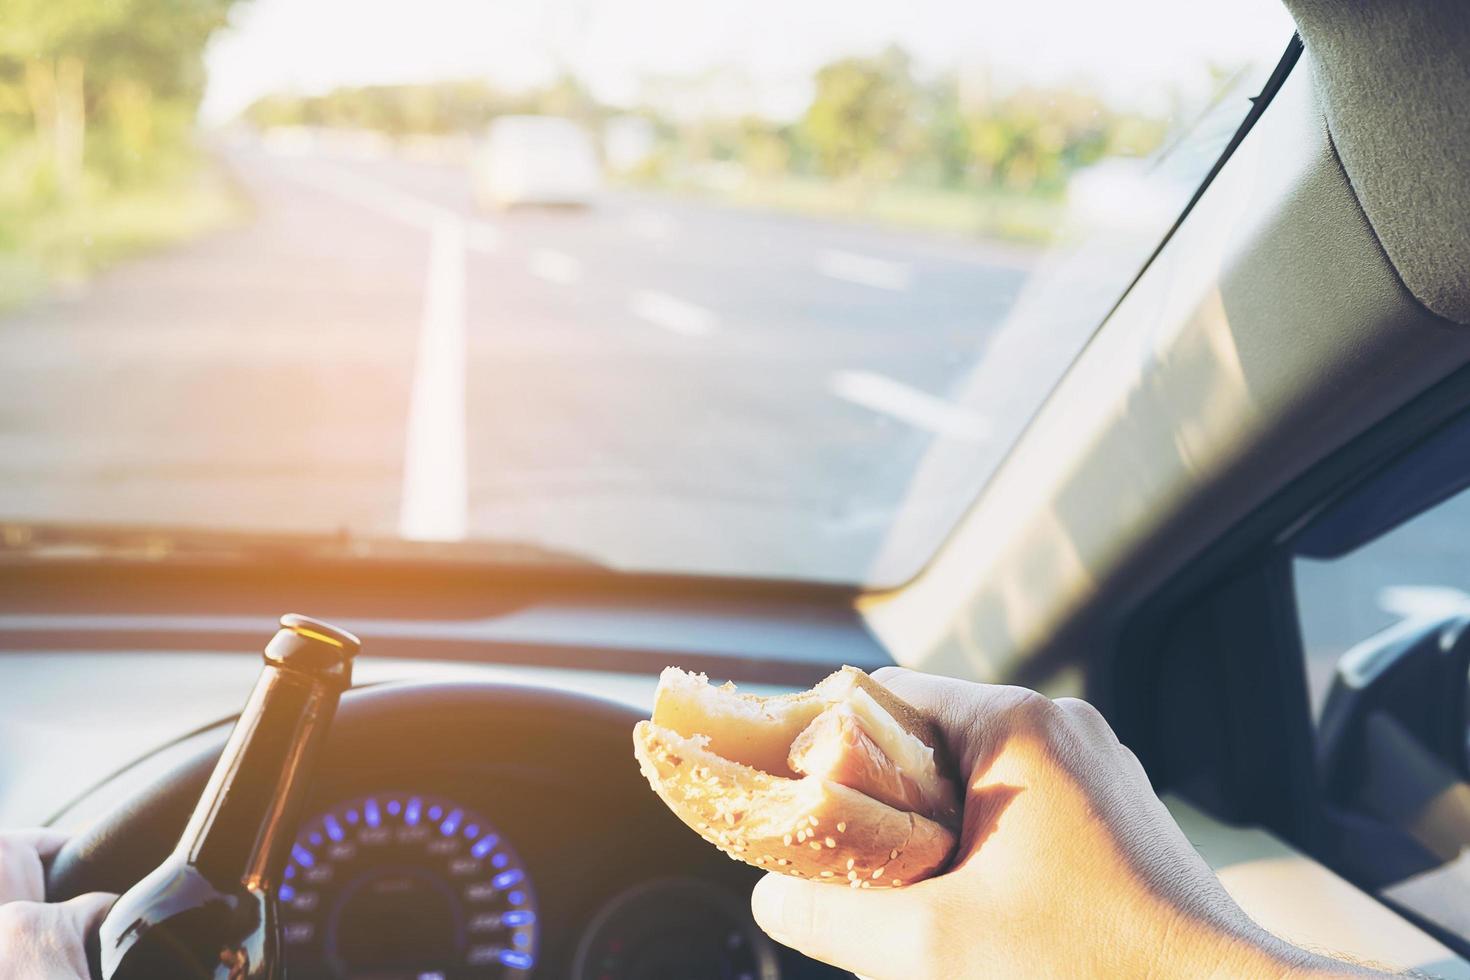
(949, 703)
(880, 934)
(1089, 721)
(885, 675)
(930, 694)
(21, 877)
(976, 719)
(45, 841)
(87, 911)
(57, 934)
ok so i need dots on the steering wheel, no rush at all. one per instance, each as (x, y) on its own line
(381, 727)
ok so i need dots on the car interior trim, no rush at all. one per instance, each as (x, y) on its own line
(1393, 80)
(1275, 302)
(1296, 898)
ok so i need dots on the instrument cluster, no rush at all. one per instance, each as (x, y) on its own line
(402, 885)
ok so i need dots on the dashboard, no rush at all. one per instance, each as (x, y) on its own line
(117, 690)
(467, 829)
(492, 817)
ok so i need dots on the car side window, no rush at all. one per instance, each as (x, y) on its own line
(1382, 578)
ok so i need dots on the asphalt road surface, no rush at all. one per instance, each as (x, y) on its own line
(650, 383)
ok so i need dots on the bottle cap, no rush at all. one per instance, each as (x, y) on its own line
(311, 645)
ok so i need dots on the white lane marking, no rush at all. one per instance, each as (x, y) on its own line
(555, 266)
(435, 504)
(865, 270)
(673, 314)
(435, 501)
(917, 408)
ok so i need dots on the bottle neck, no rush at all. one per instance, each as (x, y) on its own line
(242, 826)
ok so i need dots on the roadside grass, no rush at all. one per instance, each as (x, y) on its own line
(43, 248)
(1023, 219)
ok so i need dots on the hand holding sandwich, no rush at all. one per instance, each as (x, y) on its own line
(978, 830)
(1067, 865)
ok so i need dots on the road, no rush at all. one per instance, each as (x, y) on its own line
(652, 383)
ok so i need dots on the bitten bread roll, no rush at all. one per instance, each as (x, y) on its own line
(840, 783)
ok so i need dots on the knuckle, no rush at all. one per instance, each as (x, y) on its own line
(1068, 727)
(1029, 710)
(1079, 710)
(1130, 762)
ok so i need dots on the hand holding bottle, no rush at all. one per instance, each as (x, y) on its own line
(40, 941)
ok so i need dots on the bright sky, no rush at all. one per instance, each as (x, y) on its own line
(764, 50)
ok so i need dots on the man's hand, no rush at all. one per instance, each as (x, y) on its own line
(40, 941)
(1068, 865)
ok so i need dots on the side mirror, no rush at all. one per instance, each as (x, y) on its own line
(1396, 769)
(1409, 684)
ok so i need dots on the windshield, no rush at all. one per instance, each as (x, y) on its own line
(763, 290)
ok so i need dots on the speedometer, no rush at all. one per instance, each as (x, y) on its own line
(673, 928)
(402, 886)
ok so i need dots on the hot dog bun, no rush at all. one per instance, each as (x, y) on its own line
(840, 783)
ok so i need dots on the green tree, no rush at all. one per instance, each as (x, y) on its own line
(1032, 140)
(128, 64)
(463, 106)
(943, 156)
(764, 148)
(857, 124)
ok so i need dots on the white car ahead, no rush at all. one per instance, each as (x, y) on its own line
(538, 160)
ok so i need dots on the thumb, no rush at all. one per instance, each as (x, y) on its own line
(879, 934)
(83, 914)
(86, 912)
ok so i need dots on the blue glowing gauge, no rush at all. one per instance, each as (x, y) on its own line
(398, 886)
